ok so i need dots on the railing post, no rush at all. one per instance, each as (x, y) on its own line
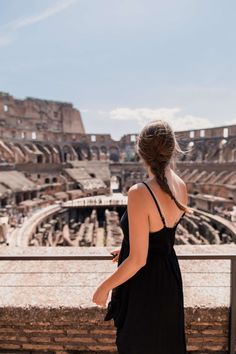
(232, 310)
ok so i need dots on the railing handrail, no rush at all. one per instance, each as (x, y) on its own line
(108, 257)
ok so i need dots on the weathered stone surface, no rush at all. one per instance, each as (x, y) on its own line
(55, 283)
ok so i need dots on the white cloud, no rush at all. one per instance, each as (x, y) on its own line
(30, 20)
(48, 12)
(173, 116)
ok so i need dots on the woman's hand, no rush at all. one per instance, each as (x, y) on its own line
(116, 252)
(100, 296)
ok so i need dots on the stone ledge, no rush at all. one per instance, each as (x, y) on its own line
(46, 305)
(55, 283)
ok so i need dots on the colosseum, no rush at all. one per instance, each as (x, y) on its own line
(76, 183)
(61, 186)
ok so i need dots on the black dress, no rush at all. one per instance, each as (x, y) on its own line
(148, 309)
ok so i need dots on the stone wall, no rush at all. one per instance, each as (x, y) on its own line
(82, 330)
(33, 115)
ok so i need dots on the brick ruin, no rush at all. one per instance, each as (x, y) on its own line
(46, 157)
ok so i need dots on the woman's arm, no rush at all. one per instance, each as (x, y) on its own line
(138, 239)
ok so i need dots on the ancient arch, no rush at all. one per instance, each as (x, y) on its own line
(69, 153)
(46, 158)
(103, 153)
(78, 151)
(114, 154)
(6, 152)
(86, 153)
(212, 151)
(18, 153)
(95, 153)
(60, 152)
(21, 153)
(55, 156)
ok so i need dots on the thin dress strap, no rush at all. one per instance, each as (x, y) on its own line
(155, 200)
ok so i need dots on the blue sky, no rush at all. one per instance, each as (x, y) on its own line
(123, 63)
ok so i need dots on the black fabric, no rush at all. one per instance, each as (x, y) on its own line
(148, 309)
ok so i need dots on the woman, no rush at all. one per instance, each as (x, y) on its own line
(147, 295)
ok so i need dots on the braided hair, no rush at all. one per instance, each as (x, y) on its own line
(157, 146)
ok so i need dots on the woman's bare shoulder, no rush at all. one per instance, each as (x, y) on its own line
(181, 185)
(136, 187)
(136, 193)
(178, 179)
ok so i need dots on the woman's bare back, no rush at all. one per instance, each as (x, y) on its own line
(168, 207)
